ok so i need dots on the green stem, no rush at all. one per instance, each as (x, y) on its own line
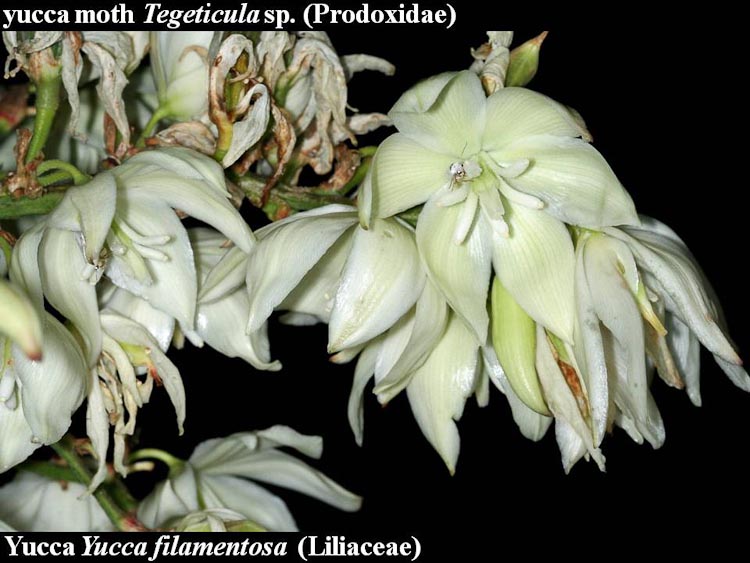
(121, 520)
(47, 104)
(121, 495)
(158, 115)
(78, 176)
(50, 471)
(12, 208)
(224, 141)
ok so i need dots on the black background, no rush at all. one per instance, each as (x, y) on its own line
(661, 98)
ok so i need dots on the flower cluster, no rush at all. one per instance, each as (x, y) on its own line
(486, 241)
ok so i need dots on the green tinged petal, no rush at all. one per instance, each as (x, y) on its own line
(572, 179)
(535, 264)
(454, 122)
(439, 388)
(405, 174)
(516, 113)
(460, 271)
(381, 281)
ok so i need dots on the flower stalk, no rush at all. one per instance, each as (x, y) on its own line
(123, 521)
(47, 104)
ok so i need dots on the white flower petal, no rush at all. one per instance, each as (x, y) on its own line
(440, 386)
(572, 179)
(170, 499)
(561, 401)
(61, 263)
(15, 437)
(19, 320)
(572, 447)
(226, 276)
(159, 324)
(691, 298)
(454, 122)
(182, 162)
(515, 113)
(423, 94)
(53, 388)
(249, 130)
(315, 294)
(193, 197)
(589, 350)
(629, 399)
(36, 504)
(531, 424)
(97, 429)
(536, 264)
(211, 456)
(173, 288)
(381, 281)
(460, 271)
(617, 309)
(278, 468)
(221, 324)
(250, 500)
(89, 209)
(430, 319)
(125, 330)
(24, 265)
(180, 67)
(405, 174)
(686, 351)
(287, 250)
(362, 374)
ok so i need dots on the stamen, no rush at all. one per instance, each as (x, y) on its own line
(519, 197)
(7, 386)
(452, 196)
(154, 240)
(87, 271)
(466, 218)
(512, 169)
(151, 253)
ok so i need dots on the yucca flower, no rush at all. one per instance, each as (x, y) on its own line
(33, 503)
(179, 62)
(322, 267)
(500, 176)
(221, 473)
(121, 223)
(39, 396)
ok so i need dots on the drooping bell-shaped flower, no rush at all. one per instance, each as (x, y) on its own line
(221, 473)
(321, 266)
(499, 176)
(38, 397)
(221, 322)
(130, 365)
(215, 520)
(122, 223)
(179, 61)
(32, 503)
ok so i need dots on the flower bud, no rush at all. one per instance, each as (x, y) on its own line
(514, 341)
(524, 61)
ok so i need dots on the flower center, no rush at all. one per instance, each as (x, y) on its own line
(483, 182)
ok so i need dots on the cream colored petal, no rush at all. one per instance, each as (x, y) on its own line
(454, 122)
(572, 179)
(440, 386)
(405, 174)
(535, 264)
(381, 281)
(515, 113)
(460, 271)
